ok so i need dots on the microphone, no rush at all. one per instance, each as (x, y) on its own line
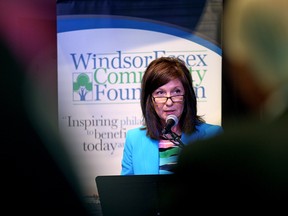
(171, 121)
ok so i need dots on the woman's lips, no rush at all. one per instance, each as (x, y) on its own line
(169, 112)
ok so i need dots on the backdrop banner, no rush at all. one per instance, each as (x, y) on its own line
(103, 49)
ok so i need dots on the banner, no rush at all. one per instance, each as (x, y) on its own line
(104, 48)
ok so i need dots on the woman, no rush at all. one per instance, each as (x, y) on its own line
(166, 90)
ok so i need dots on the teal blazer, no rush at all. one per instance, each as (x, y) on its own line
(141, 153)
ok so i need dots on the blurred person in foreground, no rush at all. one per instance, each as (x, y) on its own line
(245, 170)
(37, 177)
(166, 91)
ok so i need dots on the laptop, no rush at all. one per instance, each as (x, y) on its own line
(135, 195)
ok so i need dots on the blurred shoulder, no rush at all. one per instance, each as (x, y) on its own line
(208, 126)
(209, 129)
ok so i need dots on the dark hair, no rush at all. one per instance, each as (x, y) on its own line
(159, 72)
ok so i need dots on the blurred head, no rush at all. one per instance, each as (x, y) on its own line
(256, 44)
(167, 89)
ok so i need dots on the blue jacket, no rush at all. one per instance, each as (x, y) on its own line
(141, 153)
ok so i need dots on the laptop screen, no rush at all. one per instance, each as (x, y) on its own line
(135, 195)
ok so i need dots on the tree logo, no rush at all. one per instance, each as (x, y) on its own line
(82, 87)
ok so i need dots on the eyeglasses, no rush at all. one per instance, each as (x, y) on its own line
(174, 99)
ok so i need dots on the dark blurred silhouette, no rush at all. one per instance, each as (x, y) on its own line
(31, 179)
(36, 174)
(245, 170)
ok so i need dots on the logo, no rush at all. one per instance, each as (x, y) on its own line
(82, 87)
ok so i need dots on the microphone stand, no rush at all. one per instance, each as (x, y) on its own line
(176, 138)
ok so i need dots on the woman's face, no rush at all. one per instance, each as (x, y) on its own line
(164, 106)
